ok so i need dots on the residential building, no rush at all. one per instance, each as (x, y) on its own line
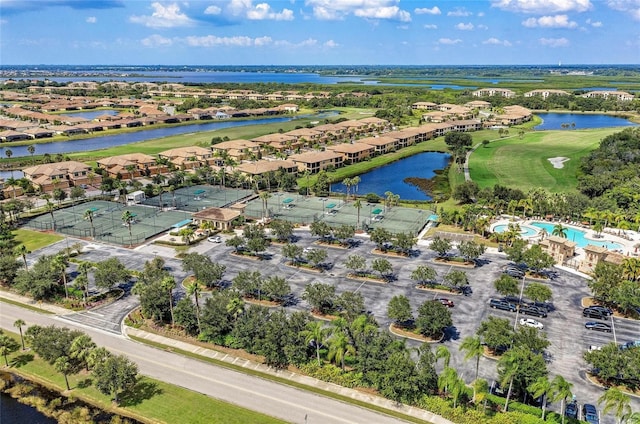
(188, 157)
(559, 248)
(381, 144)
(49, 176)
(545, 93)
(596, 254)
(237, 149)
(131, 166)
(617, 95)
(494, 91)
(352, 153)
(315, 162)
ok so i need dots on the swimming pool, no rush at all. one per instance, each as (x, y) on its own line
(578, 236)
(525, 231)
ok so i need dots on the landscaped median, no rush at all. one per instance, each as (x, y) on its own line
(365, 400)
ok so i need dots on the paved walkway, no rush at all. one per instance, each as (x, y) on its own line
(290, 376)
(58, 310)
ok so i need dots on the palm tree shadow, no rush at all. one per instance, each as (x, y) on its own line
(21, 360)
(143, 390)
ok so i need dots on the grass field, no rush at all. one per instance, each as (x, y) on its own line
(35, 240)
(168, 404)
(524, 163)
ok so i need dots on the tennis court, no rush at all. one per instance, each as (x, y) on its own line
(106, 222)
(335, 212)
(195, 198)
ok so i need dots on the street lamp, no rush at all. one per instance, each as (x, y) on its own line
(613, 328)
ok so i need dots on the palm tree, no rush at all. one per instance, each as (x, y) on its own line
(264, 196)
(59, 264)
(559, 230)
(443, 352)
(194, 289)
(50, 208)
(631, 269)
(88, 215)
(315, 334)
(31, 149)
(81, 348)
(347, 182)
(235, 307)
(157, 191)
(450, 382)
(83, 268)
(186, 233)
(616, 400)
(63, 366)
(127, 219)
(633, 418)
(510, 363)
(354, 182)
(168, 284)
(18, 324)
(541, 387)
(358, 205)
(22, 251)
(339, 347)
(474, 348)
(561, 390)
(8, 153)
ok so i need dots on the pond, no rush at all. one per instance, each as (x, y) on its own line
(92, 114)
(392, 177)
(554, 121)
(106, 141)
(13, 411)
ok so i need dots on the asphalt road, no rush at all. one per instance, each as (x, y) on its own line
(250, 392)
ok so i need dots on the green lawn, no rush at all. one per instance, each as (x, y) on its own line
(35, 240)
(167, 403)
(524, 163)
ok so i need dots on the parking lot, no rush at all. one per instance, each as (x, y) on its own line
(564, 324)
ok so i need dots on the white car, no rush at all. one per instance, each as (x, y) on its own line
(215, 239)
(528, 322)
(307, 250)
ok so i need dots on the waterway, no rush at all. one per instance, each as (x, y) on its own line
(391, 177)
(13, 411)
(554, 121)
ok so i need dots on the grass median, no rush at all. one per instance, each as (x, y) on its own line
(280, 380)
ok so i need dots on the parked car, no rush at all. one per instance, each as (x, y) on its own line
(307, 250)
(446, 302)
(533, 310)
(571, 410)
(590, 414)
(530, 322)
(598, 326)
(629, 345)
(603, 309)
(502, 304)
(514, 272)
(595, 313)
(215, 239)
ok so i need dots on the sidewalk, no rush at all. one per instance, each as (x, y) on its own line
(297, 378)
(58, 310)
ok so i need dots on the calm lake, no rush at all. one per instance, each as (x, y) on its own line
(554, 121)
(13, 411)
(391, 177)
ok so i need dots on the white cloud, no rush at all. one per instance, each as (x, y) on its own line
(368, 9)
(459, 12)
(449, 41)
(212, 10)
(595, 24)
(330, 44)
(435, 10)
(156, 40)
(391, 13)
(554, 42)
(480, 14)
(3, 21)
(168, 16)
(632, 7)
(237, 41)
(431, 26)
(543, 6)
(263, 11)
(91, 20)
(497, 42)
(481, 26)
(403, 27)
(464, 27)
(557, 21)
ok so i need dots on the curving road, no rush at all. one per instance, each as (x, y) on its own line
(250, 392)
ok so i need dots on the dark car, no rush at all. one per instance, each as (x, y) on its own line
(571, 410)
(514, 272)
(595, 313)
(446, 302)
(502, 304)
(598, 326)
(590, 414)
(533, 311)
(603, 309)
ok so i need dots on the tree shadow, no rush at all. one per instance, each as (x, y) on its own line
(21, 360)
(143, 390)
(83, 384)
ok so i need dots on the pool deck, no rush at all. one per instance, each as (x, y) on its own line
(628, 239)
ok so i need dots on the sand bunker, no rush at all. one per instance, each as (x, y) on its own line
(558, 162)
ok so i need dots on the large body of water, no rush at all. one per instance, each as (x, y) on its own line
(15, 412)
(554, 121)
(391, 177)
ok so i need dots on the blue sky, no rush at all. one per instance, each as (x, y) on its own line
(320, 32)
